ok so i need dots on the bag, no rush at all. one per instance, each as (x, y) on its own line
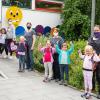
(94, 64)
(13, 46)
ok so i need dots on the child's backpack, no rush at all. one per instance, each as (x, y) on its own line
(94, 64)
(47, 54)
(13, 46)
(21, 48)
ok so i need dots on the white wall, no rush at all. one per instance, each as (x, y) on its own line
(36, 17)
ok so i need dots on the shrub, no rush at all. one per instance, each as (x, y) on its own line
(75, 68)
(38, 64)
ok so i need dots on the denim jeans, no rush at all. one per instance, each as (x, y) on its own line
(56, 68)
(29, 59)
(21, 62)
(64, 69)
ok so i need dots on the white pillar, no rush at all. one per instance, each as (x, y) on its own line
(93, 17)
(33, 5)
(0, 13)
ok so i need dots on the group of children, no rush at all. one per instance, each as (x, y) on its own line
(64, 60)
(89, 57)
(18, 49)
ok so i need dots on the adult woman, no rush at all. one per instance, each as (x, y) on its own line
(95, 43)
(56, 40)
(10, 36)
(30, 40)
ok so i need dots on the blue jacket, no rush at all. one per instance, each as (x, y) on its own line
(68, 53)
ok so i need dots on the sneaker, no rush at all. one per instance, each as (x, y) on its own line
(88, 96)
(45, 79)
(30, 69)
(10, 57)
(61, 82)
(65, 83)
(49, 79)
(23, 70)
(84, 95)
(5, 57)
(19, 70)
(98, 96)
(56, 80)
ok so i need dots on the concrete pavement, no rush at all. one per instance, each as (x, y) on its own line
(29, 85)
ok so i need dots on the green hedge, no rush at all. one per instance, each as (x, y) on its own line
(75, 68)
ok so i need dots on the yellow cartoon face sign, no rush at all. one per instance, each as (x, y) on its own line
(15, 14)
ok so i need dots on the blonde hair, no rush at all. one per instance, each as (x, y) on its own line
(89, 48)
(22, 38)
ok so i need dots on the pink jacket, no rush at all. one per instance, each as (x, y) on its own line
(53, 51)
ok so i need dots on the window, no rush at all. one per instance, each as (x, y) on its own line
(49, 5)
(19, 3)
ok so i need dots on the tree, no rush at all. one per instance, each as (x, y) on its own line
(97, 21)
(76, 19)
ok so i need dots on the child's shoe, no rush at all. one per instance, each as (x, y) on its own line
(5, 57)
(49, 79)
(10, 57)
(19, 71)
(98, 96)
(84, 95)
(88, 96)
(65, 83)
(61, 82)
(56, 80)
(23, 70)
(45, 80)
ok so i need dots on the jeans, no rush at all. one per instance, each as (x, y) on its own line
(1, 48)
(29, 58)
(8, 48)
(21, 62)
(98, 76)
(64, 69)
(56, 69)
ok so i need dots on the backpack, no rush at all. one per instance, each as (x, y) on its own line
(94, 64)
(19, 49)
(13, 46)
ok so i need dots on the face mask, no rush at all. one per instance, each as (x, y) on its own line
(8, 29)
(28, 27)
(56, 34)
(9, 23)
(97, 34)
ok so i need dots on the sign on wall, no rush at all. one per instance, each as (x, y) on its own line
(0, 10)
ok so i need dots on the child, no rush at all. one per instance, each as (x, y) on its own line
(64, 61)
(88, 67)
(4, 33)
(2, 41)
(21, 54)
(48, 60)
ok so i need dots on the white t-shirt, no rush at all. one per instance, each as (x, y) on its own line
(2, 38)
(64, 58)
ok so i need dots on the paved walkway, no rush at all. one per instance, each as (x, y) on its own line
(29, 85)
